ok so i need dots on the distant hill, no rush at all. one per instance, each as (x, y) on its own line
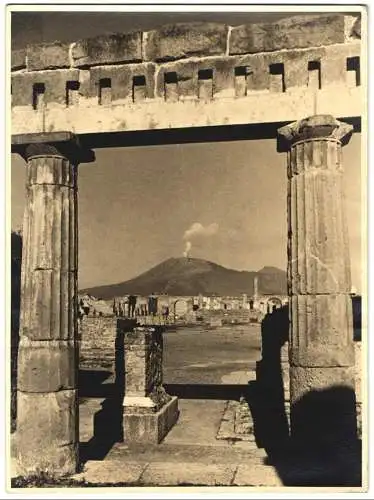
(182, 276)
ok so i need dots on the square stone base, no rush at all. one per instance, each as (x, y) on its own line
(148, 427)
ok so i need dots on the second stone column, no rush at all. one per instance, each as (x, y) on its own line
(321, 337)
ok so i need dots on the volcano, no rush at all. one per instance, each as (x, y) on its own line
(191, 276)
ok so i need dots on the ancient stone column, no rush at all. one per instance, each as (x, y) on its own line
(47, 407)
(321, 335)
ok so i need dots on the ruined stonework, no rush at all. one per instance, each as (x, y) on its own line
(148, 411)
(188, 75)
(98, 342)
(322, 360)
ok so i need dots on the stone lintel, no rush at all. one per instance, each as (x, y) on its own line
(313, 127)
(62, 143)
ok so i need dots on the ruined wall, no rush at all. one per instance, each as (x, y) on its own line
(97, 342)
(183, 63)
(227, 317)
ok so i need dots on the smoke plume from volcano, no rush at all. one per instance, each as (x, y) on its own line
(197, 230)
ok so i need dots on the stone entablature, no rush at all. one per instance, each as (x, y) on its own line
(184, 40)
(159, 78)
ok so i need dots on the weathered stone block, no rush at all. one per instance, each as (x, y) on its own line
(47, 56)
(47, 428)
(323, 405)
(18, 59)
(149, 427)
(187, 76)
(108, 49)
(296, 69)
(54, 84)
(182, 40)
(322, 331)
(356, 28)
(304, 380)
(124, 80)
(51, 460)
(46, 366)
(135, 375)
(140, 336)
(296, 32)
(334, 69)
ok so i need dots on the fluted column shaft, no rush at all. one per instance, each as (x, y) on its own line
(319, 280)
(47, 404)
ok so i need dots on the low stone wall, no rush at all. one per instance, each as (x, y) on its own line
(97, 342)
(227, 317)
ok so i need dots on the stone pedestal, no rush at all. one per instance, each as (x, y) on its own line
(47, 434)
(322, 387)
(148, 411)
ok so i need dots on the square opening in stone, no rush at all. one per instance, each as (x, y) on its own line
(171, 77)
(353, 65)
(277, 83)
(314, 74)
(72, 89)
(105, 91)
(38, 91)
(205, 74)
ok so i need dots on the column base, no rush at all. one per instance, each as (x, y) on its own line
(46, 436)
(53, 462)
(142, 425)
(323, 404)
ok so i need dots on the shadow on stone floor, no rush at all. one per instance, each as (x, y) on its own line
(265, 396)
(222, 392)
(324, 449)
(108, 422)
(90, 384)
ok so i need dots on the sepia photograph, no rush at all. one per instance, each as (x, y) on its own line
(187, 248)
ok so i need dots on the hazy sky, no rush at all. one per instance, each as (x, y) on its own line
(136, 203)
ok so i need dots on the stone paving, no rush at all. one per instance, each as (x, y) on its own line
(202, 449)
(191, 454)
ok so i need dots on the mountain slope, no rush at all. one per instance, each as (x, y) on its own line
(181, 276)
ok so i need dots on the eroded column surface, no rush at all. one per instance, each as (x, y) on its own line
(321, 333)
(47, 411)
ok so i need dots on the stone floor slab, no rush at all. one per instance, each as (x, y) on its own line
(194, 474)
(111, 472)
(256, 475)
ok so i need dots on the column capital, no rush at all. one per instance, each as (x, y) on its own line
(64, 144)
(313, 127)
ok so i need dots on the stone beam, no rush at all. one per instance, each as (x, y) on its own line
(47, 434)
(182, 40)
(322, 363)
(191, 79)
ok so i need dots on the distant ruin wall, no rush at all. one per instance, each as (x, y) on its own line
(97, 342)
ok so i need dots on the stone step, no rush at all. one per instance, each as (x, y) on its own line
(232, 453)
